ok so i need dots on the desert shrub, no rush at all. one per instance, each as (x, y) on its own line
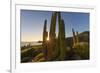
(38, 58)
(42, 59)
(28, 54)
(82, 49)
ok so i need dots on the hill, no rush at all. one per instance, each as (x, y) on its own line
(83, 37)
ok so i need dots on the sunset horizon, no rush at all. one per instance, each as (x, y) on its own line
(54, 36)
(32, 23)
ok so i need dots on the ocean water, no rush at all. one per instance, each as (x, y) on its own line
(30, 43)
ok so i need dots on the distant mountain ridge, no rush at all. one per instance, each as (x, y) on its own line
(83, 37)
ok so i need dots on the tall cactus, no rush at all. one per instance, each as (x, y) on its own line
(74, 38)
(52, 36)
(45, 35)
(77, 38)
(61, 37)
(52, 33)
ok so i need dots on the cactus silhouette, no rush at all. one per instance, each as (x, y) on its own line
(61, 37)
(56, 47)
(45, 35)
(77, 38)
(52, 36)
(74, 38)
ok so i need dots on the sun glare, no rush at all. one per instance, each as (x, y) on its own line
(47, 38)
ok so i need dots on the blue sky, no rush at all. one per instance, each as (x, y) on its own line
(32, 23)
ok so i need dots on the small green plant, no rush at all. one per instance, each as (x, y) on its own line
(82, 49)
(39, 58)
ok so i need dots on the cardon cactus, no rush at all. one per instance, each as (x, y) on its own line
(52, 36)
(45, 35)
(61, 37)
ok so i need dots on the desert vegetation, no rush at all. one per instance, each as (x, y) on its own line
(59, 48)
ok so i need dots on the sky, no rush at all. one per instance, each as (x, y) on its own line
(32, 23)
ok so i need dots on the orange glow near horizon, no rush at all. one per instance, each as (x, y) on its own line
(30, 38)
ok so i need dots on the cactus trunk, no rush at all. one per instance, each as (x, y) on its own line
(45, 35)
(52, 37)
(61, 37)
